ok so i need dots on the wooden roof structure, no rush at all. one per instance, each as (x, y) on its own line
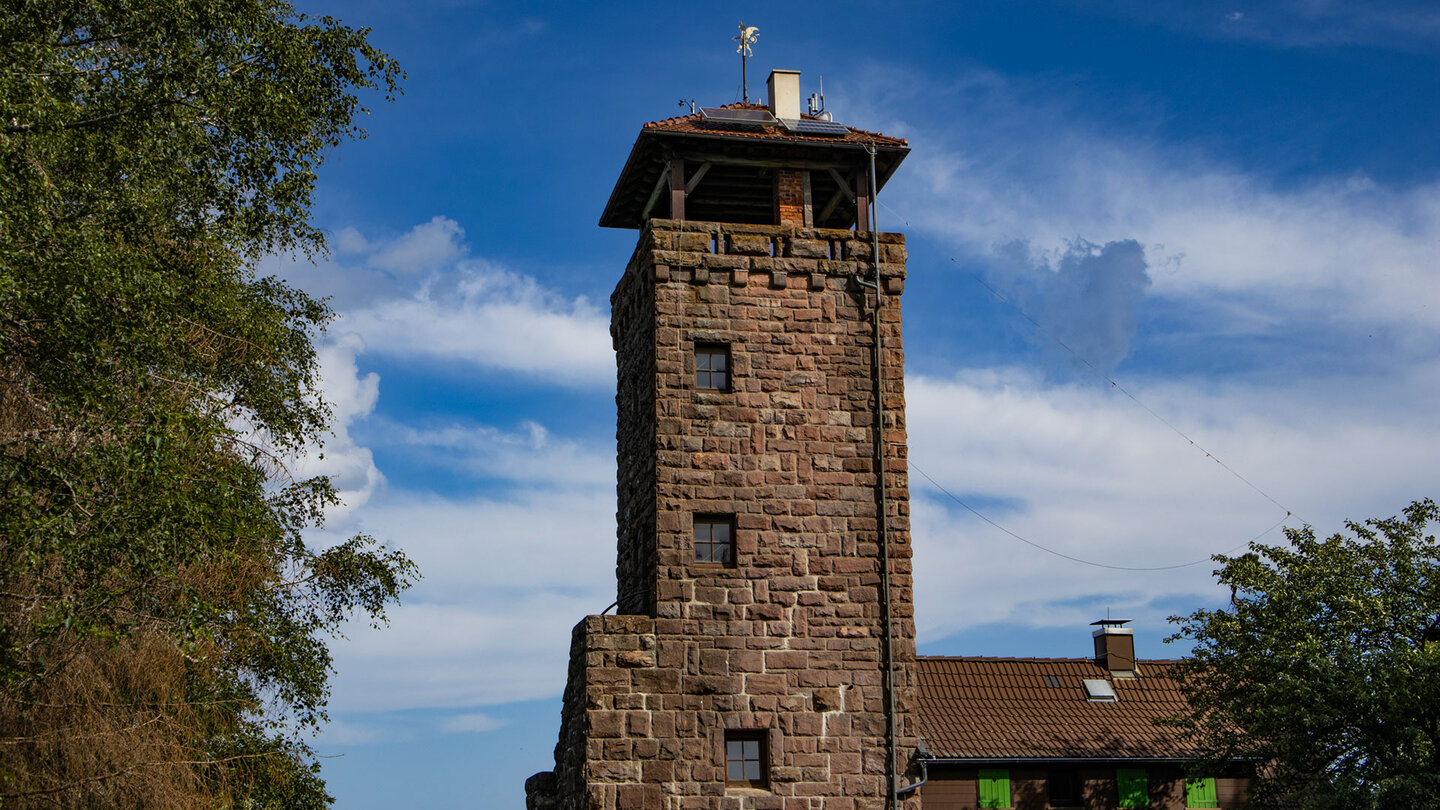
(719, 171)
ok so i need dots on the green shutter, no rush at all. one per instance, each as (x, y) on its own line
(1201, 793)
(1134, 789)
(994, 788)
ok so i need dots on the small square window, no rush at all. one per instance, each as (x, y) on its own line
(746, 759)
(715, 539)
(712, 366)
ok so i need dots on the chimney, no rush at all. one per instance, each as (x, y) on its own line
(784, 88)
(1115, 646)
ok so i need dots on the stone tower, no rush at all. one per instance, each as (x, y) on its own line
(746, 664)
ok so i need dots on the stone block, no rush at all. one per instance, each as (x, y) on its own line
(694, 242)
(786, 659)
(607, 724)
(635, 658)
(766, 684)
(657, 681)
(749, 245)
(809, 249)
(785, 773)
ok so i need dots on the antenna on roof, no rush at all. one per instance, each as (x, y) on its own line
(817, 104)
(747, 36)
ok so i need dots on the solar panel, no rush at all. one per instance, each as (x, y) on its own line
(752, 118)
(807, 126)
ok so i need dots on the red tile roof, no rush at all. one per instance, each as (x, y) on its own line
(696, 124)
(1003, 708)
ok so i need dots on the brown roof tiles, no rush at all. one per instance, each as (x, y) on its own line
(695, 123)
(1002, 708)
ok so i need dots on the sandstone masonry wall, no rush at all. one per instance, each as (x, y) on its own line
(787, 641)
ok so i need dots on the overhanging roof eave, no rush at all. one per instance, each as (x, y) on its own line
(608, 216)
(1052, 760)
(617, 213)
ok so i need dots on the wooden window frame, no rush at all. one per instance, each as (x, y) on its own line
(708, 522)
(738, 745)
(705, 377)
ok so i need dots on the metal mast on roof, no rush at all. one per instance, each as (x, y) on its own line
(747, 36)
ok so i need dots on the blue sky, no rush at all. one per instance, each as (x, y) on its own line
(1232, 210)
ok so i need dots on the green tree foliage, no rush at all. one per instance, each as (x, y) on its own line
(162, 620)
(1325, 669)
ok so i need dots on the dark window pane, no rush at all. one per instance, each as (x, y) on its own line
(1064, 788)
(714, 540)
(745, 758)
(712, 361)
(735, 760)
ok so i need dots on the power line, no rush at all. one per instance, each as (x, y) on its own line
(1048, 550)
(1107, 378)
(1118, 387)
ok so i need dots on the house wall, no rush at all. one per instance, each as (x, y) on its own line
(789, 639)
(956, 787)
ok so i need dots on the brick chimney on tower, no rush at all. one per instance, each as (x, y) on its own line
(793, 201)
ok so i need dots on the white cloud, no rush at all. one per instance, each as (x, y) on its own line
(1089, 474)
(504, 583)
(344, 732)
(428, 247)
(349, 240)
(1084, 470)
(473, 722)
(483, 315)
(1019, 161)
(530, 455)
(418, 297)
(459, 656)
(352, 397)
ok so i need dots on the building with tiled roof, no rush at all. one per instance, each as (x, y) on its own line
(1058, 732)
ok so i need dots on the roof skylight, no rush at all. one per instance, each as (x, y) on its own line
(1099, 690)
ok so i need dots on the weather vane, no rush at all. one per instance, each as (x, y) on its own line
(747, 36)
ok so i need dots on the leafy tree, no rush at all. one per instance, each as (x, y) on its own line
(162, 619)
(1325, 669)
